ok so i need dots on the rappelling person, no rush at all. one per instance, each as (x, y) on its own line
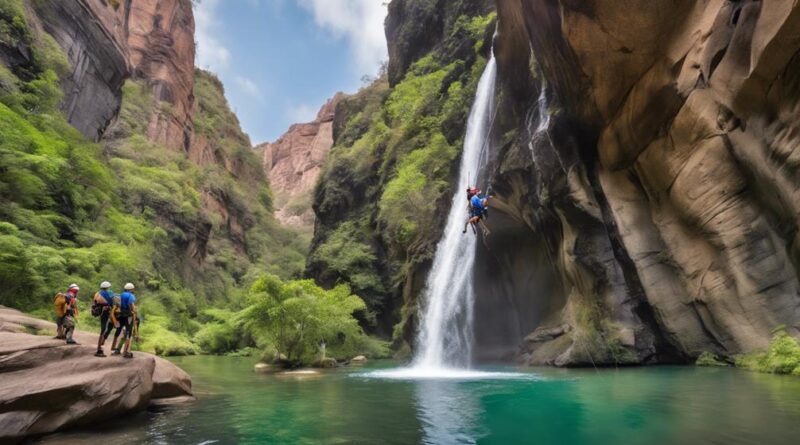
(478, 207)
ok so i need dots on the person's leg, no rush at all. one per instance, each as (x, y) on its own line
(59, 327)
(116, 345)
(101, 337)
(472, 222)
(69, 328)
(128, 334)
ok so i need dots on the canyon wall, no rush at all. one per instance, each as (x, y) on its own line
(108, 42)
(660, 203)
(293, 163)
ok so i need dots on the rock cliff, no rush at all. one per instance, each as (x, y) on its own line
(652, 202)
(645, 171)
(48, 386)
(293, 163)
(384, 189)
(107, 42)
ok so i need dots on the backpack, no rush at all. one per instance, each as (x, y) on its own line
(120, 311)
(97, 309)
(60, 303)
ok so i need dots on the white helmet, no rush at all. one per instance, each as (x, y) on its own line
(74, 286)
(130, 286)
(105, 285)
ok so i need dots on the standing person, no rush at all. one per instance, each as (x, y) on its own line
(60, 304)
(103, 305)
(70, 313)
(126, 319)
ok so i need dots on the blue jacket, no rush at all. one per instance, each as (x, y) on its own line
(126, 299)
(477, 203)
(108, 296)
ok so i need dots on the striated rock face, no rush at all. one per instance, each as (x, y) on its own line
(147, 39)
(294, 161)
(653, 202)
(162, 50)
(92, 34)
(49, 386)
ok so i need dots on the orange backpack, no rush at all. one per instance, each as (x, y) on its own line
(60, 302)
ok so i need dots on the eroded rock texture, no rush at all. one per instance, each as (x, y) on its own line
(108, 42)
(48, 386)
(293, 164)
(659, 205)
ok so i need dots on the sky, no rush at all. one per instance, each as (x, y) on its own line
(280, 60)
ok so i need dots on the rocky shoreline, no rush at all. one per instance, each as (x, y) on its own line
(47, 386)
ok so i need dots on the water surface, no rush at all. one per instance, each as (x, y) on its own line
(375, 405)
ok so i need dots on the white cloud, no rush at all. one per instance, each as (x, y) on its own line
(211, 53)
(301, 113)
(249, 87)
(358, 21)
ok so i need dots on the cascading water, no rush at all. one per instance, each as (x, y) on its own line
(445, 335)
(542, 116)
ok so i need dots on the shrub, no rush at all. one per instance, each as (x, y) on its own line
(709, 359)
(297, 316)
(782, 357)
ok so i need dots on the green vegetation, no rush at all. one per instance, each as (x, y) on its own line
(782, 357)
(193, 234)
(381, 190)
(709, 359)
(297, 318)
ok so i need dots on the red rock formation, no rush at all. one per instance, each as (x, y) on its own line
(293, 163)
(146, 39)
(162, 50)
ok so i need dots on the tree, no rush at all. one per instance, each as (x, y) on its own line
(297, 316)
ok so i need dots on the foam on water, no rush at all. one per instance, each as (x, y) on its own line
(438, 373)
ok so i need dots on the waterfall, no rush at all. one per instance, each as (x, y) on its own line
(445, 335)
(543, 117)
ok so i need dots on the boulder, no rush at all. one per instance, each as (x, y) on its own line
(325, 363)
(170, 381)
(263, 368)
(358, 360)
(48, 385)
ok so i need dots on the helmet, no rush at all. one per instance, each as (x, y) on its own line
(105, 285)
(130, 286)
(74, 286)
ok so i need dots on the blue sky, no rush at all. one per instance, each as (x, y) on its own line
(281, 59)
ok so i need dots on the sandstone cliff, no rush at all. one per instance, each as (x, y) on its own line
(654, 214)
(107, 42)
(293, 163)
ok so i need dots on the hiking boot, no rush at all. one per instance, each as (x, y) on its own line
(128, 355)
(99, 353)
(72, 342)
(116, 352)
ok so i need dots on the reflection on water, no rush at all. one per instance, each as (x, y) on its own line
(448, 412)
(652, 406)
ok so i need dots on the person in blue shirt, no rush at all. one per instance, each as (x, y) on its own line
(104, 302)
(478, 207)
(125, 307)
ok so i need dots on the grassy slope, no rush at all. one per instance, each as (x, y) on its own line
(384, 185)
(125, 210)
